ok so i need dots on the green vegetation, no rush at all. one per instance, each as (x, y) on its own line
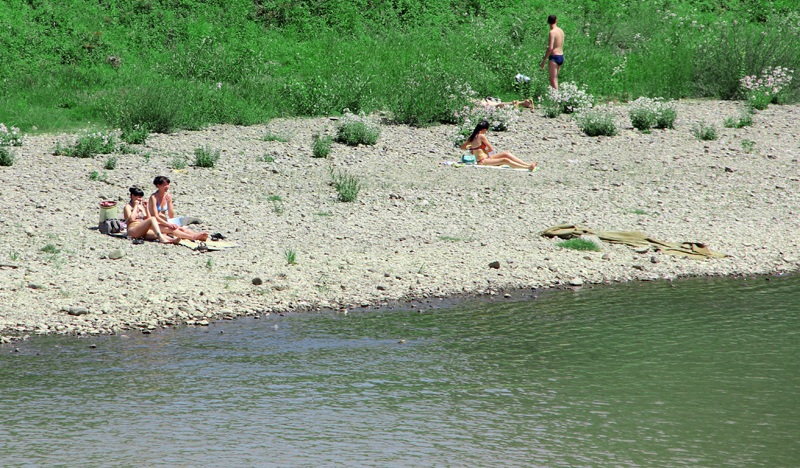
(277, 203)
(266, 158)
(206, 156)
(748, 146)
(597, 122)
(272, 137)
(354, 130)
(166, 65)
(322, 145)
(346, 185)
(646, 113)
(136, 134)
(579, 244)
(290, 256)
(97, 176)
(111, 163)
(50, 249)
(6, 157)
(88, 145)
(704, 132)
(178, 162)
(744, 120)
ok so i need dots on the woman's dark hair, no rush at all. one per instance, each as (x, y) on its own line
(136, 192)
(483, 125)
(552, 19)
(160, 180)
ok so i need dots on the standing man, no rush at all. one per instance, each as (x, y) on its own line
(554, 55)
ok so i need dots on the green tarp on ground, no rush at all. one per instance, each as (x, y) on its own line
(637, 239)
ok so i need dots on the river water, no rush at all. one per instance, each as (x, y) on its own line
(700, 372)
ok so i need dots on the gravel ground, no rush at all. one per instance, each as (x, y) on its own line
(419, 228)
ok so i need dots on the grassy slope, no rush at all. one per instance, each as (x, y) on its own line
(307, 57)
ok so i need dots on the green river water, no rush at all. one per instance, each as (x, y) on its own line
(700, 372)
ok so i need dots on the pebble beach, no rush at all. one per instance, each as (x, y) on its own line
(421, 230)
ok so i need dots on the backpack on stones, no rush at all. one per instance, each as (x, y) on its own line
(110, 226)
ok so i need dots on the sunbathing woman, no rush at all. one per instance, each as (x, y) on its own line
(160, 206)
(479, 146)
(140, 223)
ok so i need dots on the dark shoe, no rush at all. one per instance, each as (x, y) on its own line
(202, 247)
(138, 241)
(217, 236)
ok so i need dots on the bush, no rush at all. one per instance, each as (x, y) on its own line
(354, 130)
(597, 122)
(111, 163)
(761, 90)
(206, 157)
(10, 137)
(6, 157)
(178, 162)
(136, 135)
(346, 185)
(744, 120)
(147, 109)
(704, 132)
(579, 244)
(322, 145)
(646, 113)
(88, 145)
(666, 117)
(566, 100)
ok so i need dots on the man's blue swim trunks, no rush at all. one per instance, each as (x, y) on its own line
(558, 59)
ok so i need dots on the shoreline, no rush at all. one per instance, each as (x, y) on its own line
(418, 231)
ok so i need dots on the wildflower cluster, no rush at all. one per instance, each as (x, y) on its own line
(88, 145)
(499, 118)
(597, 122)
(567, 99)
(10, 137)
(646, 113)
(353, 129)
(763, 89)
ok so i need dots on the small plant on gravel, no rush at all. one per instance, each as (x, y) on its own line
(579, 244)
(744, 120)
(354, 130)
(209, 264)
(266, 158)
(206, 157)
(638, 211)
(127, 149)
(322, 145)
(10, 137)
(136, 135)
(764, 89)
(273, 137)
(88, 145)
(597, 122)
(704, 132)
(50, 249)
(97, 176)
(567, 99)
(646, 113)
(14, 256)
(111, 163)
(178, 162)
(346, 185)
(277, 203)
(290, 256)
(748, 146)
(6, 157)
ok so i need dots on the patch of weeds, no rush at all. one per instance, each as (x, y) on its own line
(97, 176)
(146, 157)
(579, 244)
(111, 163)
(748, 146)
(127, 149)
(273, 137)
(323, 214)
(639, 211)
(135, 135)
(50, 249)
(14, 256)
(206, 156)
(567, 99)
(704, 132)
(277, 203)
(290, 256)
(209, 264)
(666, 118)
(346, 185)
(646, 113)
(450, 239)
(266, 158)
(354, 130)
(11, 137)
(597, 122)
(88, 145)
(6, 157)
(178, 162)
(322, 145)
(744, 120)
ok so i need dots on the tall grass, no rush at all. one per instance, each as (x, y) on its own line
(171, 65)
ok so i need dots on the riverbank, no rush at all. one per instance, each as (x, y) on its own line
(419, 228)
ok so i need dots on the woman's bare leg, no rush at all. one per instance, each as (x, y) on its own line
(506, 158)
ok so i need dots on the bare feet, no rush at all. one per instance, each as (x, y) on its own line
(533, 166)
(168, 240)
(527, 103)
(202, 237)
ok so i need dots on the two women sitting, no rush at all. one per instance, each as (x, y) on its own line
(155, 219)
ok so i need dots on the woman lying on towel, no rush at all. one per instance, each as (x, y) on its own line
(140, 223)
(160, 206)
(484, 153)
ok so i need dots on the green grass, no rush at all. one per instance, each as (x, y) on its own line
(164, 66)
(744, 120)
(346, 185)
(290, 256)
(97, 176)
(273, 137)
(597, 122)
(50, 249)
(111, 163)
(748, 146)
(704, 132)
(277, 203)
(579, 244)
(321, 145)
(266, 158)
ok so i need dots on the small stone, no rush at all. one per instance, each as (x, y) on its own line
(495, 265)
(606, 256)
(77, 311)
(29, 231)
(576, 282)
(35, 286)
(638, 267)
(116, 254)
(641, 250)
(381, 287)
(654, 259)
(258, 281)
